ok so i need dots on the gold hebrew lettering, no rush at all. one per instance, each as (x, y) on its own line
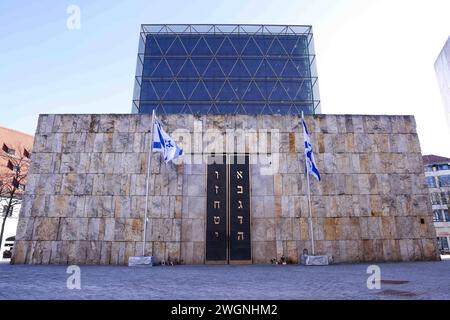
(216, 204)
(217, 189)
(241, 219)
(240, 236)
(216, 220)
(216, 234)
(239, 174)
(240, 189)
(240, 206)
(217, 174)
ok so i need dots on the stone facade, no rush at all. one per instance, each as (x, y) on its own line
(85, 196)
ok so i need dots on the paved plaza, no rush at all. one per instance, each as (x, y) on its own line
(409, 280)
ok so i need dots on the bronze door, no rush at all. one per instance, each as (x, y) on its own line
(228, 210)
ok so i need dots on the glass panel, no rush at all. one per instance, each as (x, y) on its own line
(431, 182)
(301, 47)
(214, 42)
(239, 70)
(188, 70)
(164, 42)
(263, 42)
(201, 64)
(302, 66)
(277, 64)
(147, 91)
(265, 70)
(446, 215)
(213, 87)
(226, 49)
(437, 216)
(174, 93)
(444, 181)
(279, 93)
(226, 65)
(175, 64)
(251, 49)
(213, 70)
(176, 48)
(151, 46)
(238, 43)
(266, 87)
(253, 93)
(150, 65)
(162, 70)
(201, 49)
(288, 43)
(200, 93)
(305, 91)
(161, 87)
(252, 65)
(226, 93)
(276, 48)
(189, 42)
(187, 86)
(239, 87)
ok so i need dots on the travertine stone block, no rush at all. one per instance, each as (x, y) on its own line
(85, 197)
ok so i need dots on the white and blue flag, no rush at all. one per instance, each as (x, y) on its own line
(163, 143)
(309, 156)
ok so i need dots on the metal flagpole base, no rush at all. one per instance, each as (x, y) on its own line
(146, 261)
(320, 260)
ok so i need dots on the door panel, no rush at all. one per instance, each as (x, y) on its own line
(216, 220)
(239, 209)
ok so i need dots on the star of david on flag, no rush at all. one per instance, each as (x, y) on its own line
(311, 167)
(163, 143)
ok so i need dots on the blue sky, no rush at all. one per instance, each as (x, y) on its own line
(373, 56)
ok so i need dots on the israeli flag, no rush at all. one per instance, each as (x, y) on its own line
(309, 156)
(163, 143)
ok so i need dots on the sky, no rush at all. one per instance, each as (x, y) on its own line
(373, 56)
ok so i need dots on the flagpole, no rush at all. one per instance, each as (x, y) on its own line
(149, 166)
(311, 230)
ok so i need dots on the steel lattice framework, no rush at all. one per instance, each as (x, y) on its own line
(218, 69)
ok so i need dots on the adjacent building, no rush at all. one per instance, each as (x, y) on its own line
(437, 173)
(442, 67)
(13, 144)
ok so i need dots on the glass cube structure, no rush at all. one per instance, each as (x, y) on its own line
(226, 69)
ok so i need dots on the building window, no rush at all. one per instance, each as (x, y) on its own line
(444, 181)
(437, 217)
(431, 181)
(26, 153)
(435, 198)
(428, 168)
(443, 167)
(444, 198)
(446, 215)
(442, 243)
(8, 150)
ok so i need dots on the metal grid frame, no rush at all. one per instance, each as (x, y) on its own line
(231, 30)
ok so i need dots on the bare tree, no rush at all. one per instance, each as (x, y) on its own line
(12, 182)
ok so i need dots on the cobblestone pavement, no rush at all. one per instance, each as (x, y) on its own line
(411, 280)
